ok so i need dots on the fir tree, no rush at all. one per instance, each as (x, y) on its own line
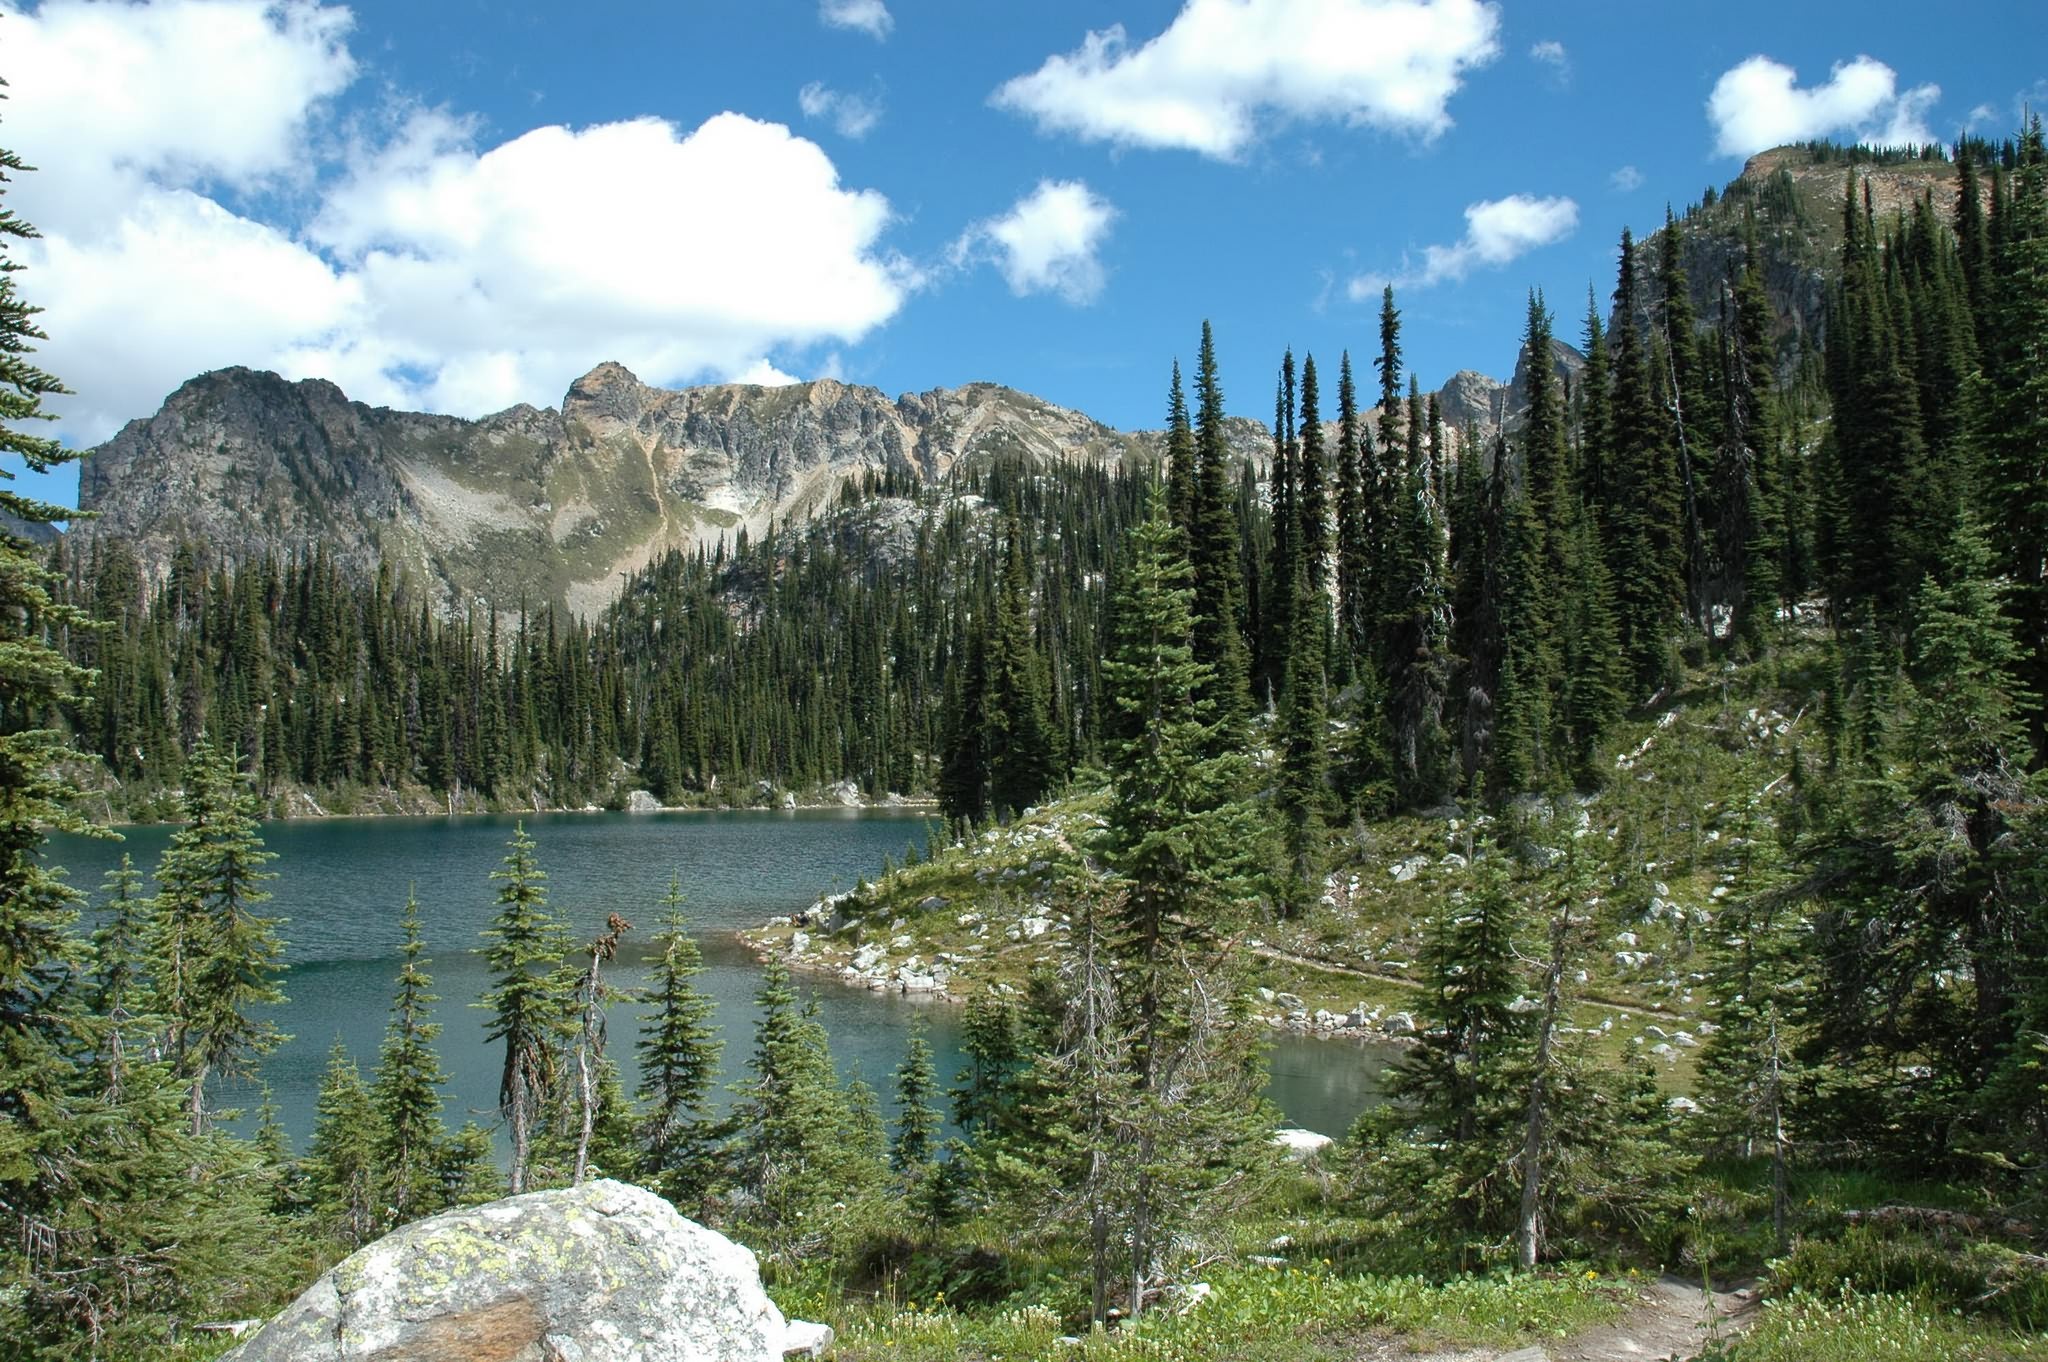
(1174, 842)
(1019, 730)
(528, 1006)
(213, 958)
(406, 1090)
(341, 1161)
(914, 1151)
(119, 978)
(1213, 553)
(678, 1051)
(2009, 426)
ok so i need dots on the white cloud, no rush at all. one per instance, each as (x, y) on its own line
(871, 17)
(1225, 67)
(1551, 53)
(1626, 180)
(423, 269)
(1758, 105)
(111, 98)
(853, 116)
(1046, 243)
(1497, 231)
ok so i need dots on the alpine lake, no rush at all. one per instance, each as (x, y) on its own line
(340, 887)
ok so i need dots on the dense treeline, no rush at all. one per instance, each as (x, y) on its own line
(809, 657)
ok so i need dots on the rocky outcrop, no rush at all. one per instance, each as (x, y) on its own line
(534, 506)
(604, 1270)
(1795, 194)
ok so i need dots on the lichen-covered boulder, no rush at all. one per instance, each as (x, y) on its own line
(604, 1272)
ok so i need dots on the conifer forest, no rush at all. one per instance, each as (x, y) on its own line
(1396, 709)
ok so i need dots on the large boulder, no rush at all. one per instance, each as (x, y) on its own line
(604, 1271)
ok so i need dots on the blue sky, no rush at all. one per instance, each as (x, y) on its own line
(461, 204)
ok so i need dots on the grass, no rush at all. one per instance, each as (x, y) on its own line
(1249, 1314)
(1848, 1326)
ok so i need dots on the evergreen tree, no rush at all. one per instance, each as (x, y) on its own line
(1213, 553)
(1019, 732)
(1642, 525)
(915, 1150)
(1280, 588)
(528, 1006)
(341, 1161)
(798, 1144)
(1353, 620)
(678, 1050)
(213, 958)
(2009, 425)
(1181, 472)
(406, 1091)
(120, 982)
(1175, 842)
(1442, 1146)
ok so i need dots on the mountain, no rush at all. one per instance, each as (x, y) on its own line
(541, 505)
(1797, 194)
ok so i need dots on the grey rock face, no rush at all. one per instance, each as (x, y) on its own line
(540, 506)
(602, 1271)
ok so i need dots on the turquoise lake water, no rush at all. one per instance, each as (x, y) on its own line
(341, 886)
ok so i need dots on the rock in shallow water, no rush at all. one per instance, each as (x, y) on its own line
(602, 1271)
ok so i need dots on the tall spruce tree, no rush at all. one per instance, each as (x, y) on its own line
(215, 960)
(1642, 523)
(1175, 842)
(1020, 735)
(678, 1050)
(406, 1090)
(2009, 424)
(36, 789)
(341, 1160)
(1214, 554)
(527, 1001)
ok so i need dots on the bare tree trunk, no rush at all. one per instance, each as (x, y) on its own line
(515, 1111)
(1529, 1235)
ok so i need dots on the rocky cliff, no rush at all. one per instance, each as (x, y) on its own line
(539, 505)
(1796, 194)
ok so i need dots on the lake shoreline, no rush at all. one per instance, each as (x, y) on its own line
(1362, 1026)
(299, 806)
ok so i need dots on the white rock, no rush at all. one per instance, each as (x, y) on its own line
(1301, 1144)
(1034, 927)
(604, 1270)
(801, 1338)
(1399, 1024)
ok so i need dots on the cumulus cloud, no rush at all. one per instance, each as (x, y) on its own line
(1626, 180)
(112, 100)
(423, 268)
(853, 116)
(1225, 69)
(1552, 54)
(1759, 104)
(1497, 231)
(1047, 243)
(871, 17)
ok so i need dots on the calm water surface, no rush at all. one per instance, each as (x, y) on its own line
(341, 886)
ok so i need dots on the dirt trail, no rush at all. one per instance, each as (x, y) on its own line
(1670, 1320)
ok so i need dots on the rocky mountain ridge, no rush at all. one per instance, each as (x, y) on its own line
(539, 505)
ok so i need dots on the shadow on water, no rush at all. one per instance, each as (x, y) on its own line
(341, 886)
